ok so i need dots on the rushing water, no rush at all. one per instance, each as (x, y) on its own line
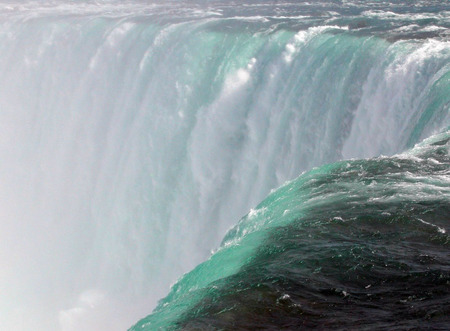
(133, 134)
(354, 244)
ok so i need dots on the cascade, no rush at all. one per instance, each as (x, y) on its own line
(133, 135)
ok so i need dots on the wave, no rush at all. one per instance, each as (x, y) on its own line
(355, 243)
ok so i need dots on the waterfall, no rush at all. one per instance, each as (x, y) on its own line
(133, 136)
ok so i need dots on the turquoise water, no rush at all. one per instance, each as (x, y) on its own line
(359, 243)
(135, 134)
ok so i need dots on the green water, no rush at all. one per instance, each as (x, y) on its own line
(360, 242)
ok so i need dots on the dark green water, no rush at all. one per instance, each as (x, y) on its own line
(135, 133)
(357, 244)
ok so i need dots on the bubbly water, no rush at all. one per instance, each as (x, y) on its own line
(133, 134)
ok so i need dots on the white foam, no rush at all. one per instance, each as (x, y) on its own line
(393, 96)
(121, 168)
(303, 37)
(439, 229)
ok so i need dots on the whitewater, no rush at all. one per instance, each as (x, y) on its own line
(135, 134)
